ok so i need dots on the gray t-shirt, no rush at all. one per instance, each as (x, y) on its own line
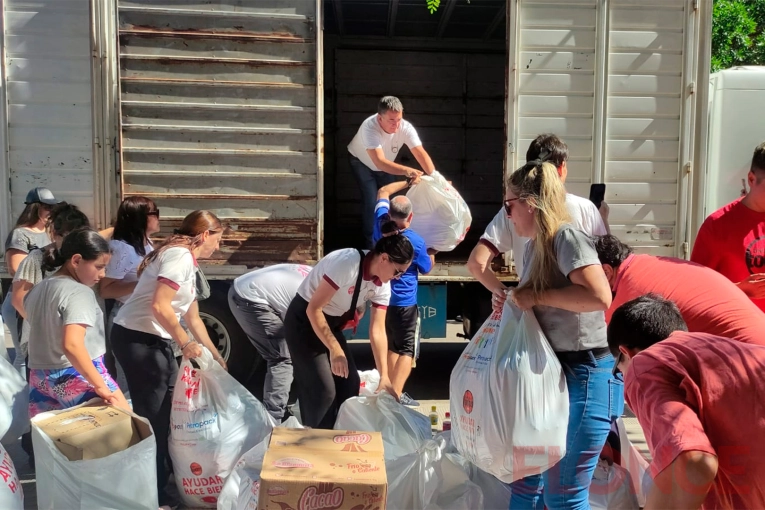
(565, 330)
(53, 303)
(30, 270)
(25, 240)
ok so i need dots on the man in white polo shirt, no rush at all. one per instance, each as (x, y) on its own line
(500, 236)
(259, 301)
(373, 151)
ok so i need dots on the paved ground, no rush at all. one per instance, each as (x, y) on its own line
(429, 384)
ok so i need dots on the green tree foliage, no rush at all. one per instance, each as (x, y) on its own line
(738, 33)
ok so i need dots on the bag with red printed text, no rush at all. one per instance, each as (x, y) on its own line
(11, 493)
(509, 400)
(441, 215)
(213, 420)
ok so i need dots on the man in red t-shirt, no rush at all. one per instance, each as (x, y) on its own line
(732, 239)
(698, 398)
(709, 302)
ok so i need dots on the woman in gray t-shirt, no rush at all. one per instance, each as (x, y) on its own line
(66, 346)
(29, 233)
(564, 284)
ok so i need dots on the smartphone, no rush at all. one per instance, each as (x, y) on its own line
(597, 194)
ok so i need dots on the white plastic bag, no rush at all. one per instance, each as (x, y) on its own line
(370, 380)
(240, 492)
(441, 216)
(213, 420)
(403, 429)
(11, 493)
(429, 479)
(612, 488)
(509, 400)
(14, 403)
(126, 480)
(635, 463)
(496, 495)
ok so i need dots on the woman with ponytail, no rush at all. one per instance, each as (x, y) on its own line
(66, 366)
(564, 284)
(323, 366)
(149, 323)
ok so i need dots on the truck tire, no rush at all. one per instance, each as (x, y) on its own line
(476, 308)
(240, 355)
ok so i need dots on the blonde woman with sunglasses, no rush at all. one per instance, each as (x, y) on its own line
(150, 322)
(565, 286)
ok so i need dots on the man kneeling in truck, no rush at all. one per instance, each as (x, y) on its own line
(401, 319)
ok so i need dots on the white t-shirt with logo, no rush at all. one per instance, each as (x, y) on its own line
(124, 263)
(500, 234)
(174, 267)
(274, 286)
(340, 269)
(371, 136)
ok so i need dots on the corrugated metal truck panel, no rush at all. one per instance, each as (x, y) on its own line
(218, 111)
(613, 79)
(48, 79)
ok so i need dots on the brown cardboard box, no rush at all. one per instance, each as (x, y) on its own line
(93, 431)
(310, 469)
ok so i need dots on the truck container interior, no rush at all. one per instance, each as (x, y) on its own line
(448, 69)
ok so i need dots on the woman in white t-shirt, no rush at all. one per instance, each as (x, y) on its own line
(66, 345)
(323, 366)
(137, 219)
(149, 322)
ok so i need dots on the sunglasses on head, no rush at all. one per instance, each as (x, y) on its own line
(508, 203)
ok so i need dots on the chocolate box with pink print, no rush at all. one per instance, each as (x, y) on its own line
(310, 469)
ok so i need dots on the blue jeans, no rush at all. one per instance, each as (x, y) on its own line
(595, 398)
(369, 182)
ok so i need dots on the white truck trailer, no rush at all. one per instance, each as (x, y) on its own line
(245, 107)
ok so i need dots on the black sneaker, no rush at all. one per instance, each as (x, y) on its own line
(408, 401)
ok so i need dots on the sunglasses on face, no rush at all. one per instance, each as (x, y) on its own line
(508, 204)
(154, 213)
(619, 359)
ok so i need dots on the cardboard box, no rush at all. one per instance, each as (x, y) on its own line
(310, 469)
(93, 431)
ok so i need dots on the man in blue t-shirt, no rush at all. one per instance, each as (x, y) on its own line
(402, 313)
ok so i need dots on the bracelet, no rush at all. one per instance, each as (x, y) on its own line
(186, 344)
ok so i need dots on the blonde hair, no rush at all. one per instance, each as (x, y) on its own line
(189, 235)
(539, 185)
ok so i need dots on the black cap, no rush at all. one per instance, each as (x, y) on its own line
(41, 196)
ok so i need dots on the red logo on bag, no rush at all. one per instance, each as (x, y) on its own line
(196, 469)
(467, 402)
(210, 499)
(192, 381)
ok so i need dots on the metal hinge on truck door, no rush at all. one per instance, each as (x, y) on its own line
(686, 248)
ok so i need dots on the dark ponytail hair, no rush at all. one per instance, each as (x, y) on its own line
(64, 218)
(85, 242)
(393, 243)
